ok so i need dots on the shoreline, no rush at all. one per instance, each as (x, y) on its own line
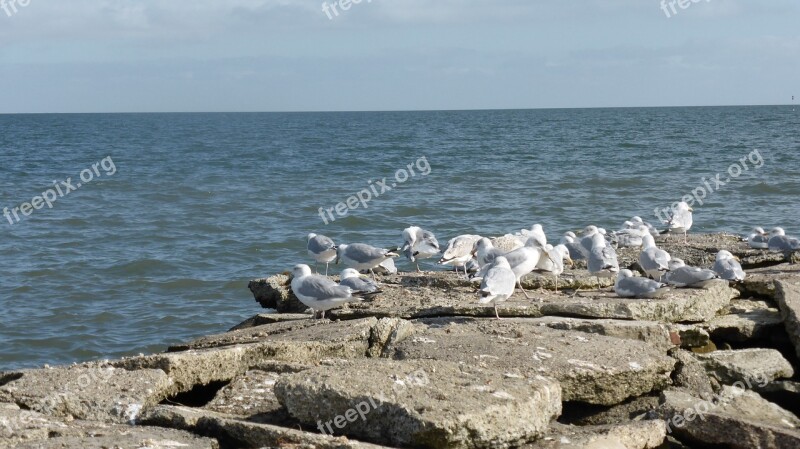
(559, 371)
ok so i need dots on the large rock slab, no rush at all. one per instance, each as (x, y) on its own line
(631, 435)
(651, 332)
(591, 368)
(748, 320)
(94, 394)
(737, 419)
(760, 282)
(788, 297)
(274, 292)
(28, 429)
(422, 403)
(246, 434)
(748, 366)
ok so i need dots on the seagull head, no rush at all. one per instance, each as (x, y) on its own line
(301, 270)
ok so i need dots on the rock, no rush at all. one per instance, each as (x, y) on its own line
(690, 375)
(634, 409)
(631, 435)
(591, 368)
(246, 434)
(268, 318)
(250, 396)
(29, 429)
(422, 403)
(274, 292)
(93, 394)
(651, 332)
(760, 282)
(788, 297)
(691, 335)
(388, 332)
(737, 419)
(748, 366)
(749, 320)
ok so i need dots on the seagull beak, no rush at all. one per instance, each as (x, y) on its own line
(691, 210)
(571, 262)
(737, 259)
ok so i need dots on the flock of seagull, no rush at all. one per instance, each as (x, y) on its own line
(499, 264)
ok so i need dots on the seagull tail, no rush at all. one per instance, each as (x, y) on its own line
(366, 295)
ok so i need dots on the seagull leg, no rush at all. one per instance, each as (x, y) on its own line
(519, 282)
(323, 315)
(556, 283)
(685, 238)
(495, 312)
(326, 268)
(418, 270)
(315, 267)
(374, 278)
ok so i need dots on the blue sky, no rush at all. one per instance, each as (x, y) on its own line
(282, 55)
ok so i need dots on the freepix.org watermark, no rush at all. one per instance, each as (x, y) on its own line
(706, 188)
(343, 5)
(59, 190)
(375, 190)
(670, 6)
(11, 7)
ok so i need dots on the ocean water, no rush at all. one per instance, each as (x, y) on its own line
(179, 211)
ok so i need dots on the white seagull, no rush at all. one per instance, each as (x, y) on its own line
(419, 244)
(321, 249)
(498, 284)
(318, 292)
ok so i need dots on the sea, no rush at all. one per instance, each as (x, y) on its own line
(124, 233)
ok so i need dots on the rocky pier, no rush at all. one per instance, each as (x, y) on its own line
(423, 365)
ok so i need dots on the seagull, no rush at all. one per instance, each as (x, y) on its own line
(727, 266)
(588, 236)
(362, 256)
(508, 242)
(485, 252)
(353, 279)
(536, 232)
(322, 249)
(419, 244)
(629, 286)
(459, 251)
(758, 239)
(602, 258)
(318, 292)
(680, 221)
(650, 228)
(692, 277)
(778, 241)
(554, 263)
(524, 260)
(576, 250)
(654, 261)
(498, 284)
(631, 236)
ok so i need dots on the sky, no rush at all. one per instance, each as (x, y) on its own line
(290, 55)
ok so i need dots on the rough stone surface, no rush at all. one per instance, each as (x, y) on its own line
(691, 335)
(651, 332)
(423, 403)
(746, 365)
(748, 320)
(274, 293)
(632, 435)
(268, 318)
(591, 368)
(29, 429)
(740, 420)
(635, 409)
(94, 394)
(788, 297)
(250, 396)
(247, 434)
(690, 374)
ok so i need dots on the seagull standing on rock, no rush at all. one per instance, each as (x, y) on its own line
(681, 220)
(498, 284)
(318, 292)
(321, 249)
(459, 251)
(727, 266)
(654, 261)
(554, 262)
(362, 256)
(524, 260)
(602, 258)
(419, 244)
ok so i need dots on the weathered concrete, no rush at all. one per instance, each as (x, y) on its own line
(748, 320)
(635, 409)
(246, 434)
(690, 375)
(749, 366)
(631, 435)
(268, 318)
(591, 368)
(741, 420)
(94, 394)
(651, 332)
(691, 335)
(33, 430)
(422, 403)
(274, 293)
(788, 297)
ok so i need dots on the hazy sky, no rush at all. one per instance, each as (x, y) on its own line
(287, 55)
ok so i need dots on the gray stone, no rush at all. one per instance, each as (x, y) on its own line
(94, 394)
(634, 409)
(651, 332)
(246, 434)
(249, 396)
(631, 435)
(274, 292)
(690, 375)
(422, 403)
(737, 419)
(388, 332)
(691, 335)
(788, 297)
(268, 318)
(750, 366)
(748, 320)
(591, 368)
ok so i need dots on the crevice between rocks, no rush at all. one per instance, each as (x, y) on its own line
(198, 396)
